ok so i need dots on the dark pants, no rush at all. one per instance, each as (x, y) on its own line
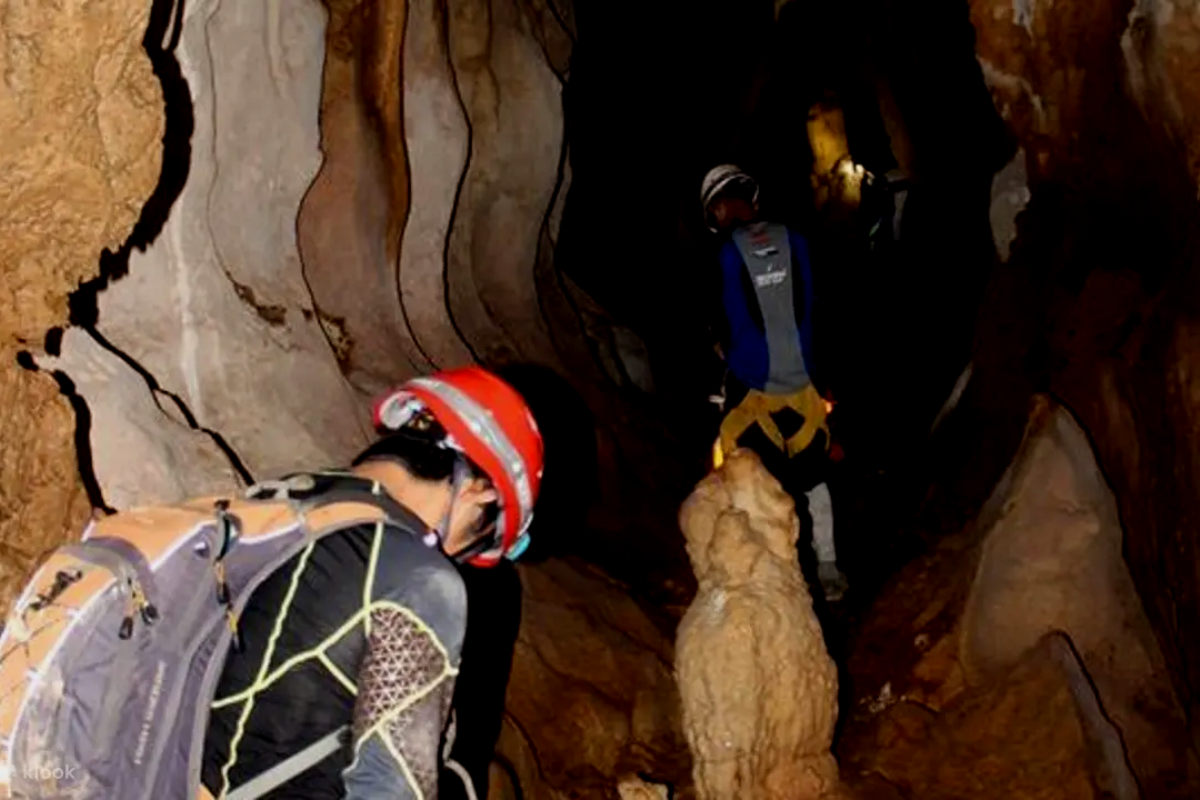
(493, 619)
(797, 474)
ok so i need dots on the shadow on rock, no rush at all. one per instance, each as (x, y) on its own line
(570, 482)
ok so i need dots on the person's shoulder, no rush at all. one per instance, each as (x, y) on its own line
(728, 253)
(406, 564)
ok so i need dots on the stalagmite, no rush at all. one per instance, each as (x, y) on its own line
(759, 690)
(633, 788)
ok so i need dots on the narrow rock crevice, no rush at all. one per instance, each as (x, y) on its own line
(444, 14)
(166, 16)
(156, 391)
(83, 431)
(529, 746)
(430, 361)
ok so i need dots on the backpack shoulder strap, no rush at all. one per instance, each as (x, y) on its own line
(312, 491)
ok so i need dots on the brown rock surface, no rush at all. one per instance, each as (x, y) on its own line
(759, 689)
(941, 645)
(69, 191)
(350, 219)
(513, 101)
(638, 789)
(1052, 560)
(835, 178)
(1018, 737)
(591, 695)
(1103, 289)
(217, 308)
(42, 501)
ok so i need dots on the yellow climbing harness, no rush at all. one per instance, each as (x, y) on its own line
(757, 408)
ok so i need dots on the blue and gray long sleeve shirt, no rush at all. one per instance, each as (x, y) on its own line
(767, 296)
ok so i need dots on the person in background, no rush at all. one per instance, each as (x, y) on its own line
(774, 401)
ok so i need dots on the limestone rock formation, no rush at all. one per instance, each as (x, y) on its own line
(591, 696)
(634, 788)
(1045, 558)
(70, 190)
(1053, 550)
(217, 309)
(42, 499)
(1010, 195)
(351, 217)
(510, 180)
(1102, 98)
(81, 118)
(759, 689)
(142, 451)
(1019, 737)
(436, 132)
(836, 179)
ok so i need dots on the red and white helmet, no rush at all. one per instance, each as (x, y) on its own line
(487, 420)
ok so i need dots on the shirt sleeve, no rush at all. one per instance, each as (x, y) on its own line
(733, 296)
(800, 256)
(406, 681)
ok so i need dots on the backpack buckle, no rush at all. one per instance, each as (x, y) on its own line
(227, 527)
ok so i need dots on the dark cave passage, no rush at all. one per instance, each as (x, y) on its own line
(651, 107)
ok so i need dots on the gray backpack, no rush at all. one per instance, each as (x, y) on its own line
(110, 657)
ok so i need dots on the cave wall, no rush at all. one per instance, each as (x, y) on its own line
(68, 191)
(956, 662)
(280, 274)
(1099, 301)
(350, 219)
(216, 310)
(281, 271)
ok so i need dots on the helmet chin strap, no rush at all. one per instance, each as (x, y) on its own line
(437, 536)
(457, 480)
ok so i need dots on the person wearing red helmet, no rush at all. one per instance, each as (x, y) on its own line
(343, 686)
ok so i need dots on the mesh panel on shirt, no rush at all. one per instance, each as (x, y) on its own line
(404, 660)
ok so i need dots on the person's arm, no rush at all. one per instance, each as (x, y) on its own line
(746, 356)
(733, 296)
(406, 679)
(493, 622)
(800, 257)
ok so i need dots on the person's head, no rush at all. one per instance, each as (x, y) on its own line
(728, 197)
(465, 455)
